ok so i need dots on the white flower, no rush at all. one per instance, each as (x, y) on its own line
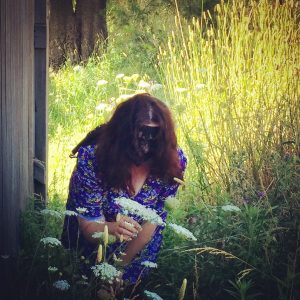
(51, 241)
(102, 106)
(156, 86)
(101, 82)
(62, 285)
(82, 210)
(50, 212)
(84, 277)
(202, 70)
(143, 84)
(123, 97)
(70, 213)
(106, 272)
(230, 208)
(181, 90)
(182, 231)
(77, 68)
(52, 269)
(152, 295)
(121, 75)
(145, 213)
(199, 86)
(100, 235)
(116, 259)
(149, 264)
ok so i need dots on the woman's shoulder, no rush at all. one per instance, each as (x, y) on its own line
(86, 157)
(86, 152)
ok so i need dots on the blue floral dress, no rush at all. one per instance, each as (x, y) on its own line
(94, 202)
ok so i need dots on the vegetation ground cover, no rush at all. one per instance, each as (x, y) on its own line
(231, 78)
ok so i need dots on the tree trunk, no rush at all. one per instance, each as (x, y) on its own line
(76, 35)
(91, 26)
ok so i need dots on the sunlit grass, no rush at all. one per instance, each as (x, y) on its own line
(234, 79)
(81, 98)
(232, 83)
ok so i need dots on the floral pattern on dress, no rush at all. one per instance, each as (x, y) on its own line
(86, 191)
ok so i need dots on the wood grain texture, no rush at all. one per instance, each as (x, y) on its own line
(41, 95)
(16, 133)
(16, 97)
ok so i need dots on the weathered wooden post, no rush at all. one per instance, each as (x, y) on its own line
(41, 33)
(23, 111)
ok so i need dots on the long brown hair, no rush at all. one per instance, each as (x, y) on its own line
(114, 142)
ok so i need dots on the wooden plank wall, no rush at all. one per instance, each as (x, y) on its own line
(16, 123)
(41, 33)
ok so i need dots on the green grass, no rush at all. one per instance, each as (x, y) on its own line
(231, 80)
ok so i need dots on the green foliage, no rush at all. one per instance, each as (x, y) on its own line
(231, 82)
(232, 77)
(241, 288)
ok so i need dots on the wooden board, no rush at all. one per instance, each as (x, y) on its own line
(16, 120)
(41, 95)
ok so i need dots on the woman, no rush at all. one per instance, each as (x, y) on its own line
(133, 155)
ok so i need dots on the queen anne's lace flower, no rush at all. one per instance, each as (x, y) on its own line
(230, 207)
(82, 210)
(84, 277)
(101, 82)
(147, 214)
(70, 213)
(182, 231)
(100, 235)
(51, 241)
(50, 212)
(121, 75)
(156, 86)
(152, 295)
(77, 68)
(149, 264)
(144, 84)
(106, 272)
(62, 285)
(52, 269)
(181, 90)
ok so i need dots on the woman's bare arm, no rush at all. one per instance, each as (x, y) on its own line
(88, 228)
(136, 245)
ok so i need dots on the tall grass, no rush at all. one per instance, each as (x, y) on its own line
(234, 78)
(232, 81)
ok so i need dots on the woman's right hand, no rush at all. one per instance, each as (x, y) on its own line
(125, 228)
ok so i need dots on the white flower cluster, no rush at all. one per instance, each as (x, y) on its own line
(62, 285)
(182, 231)
(70, 213)
(77, 68)
(230, 207)
(51, 241)
(100, 235)
(149, 264)
(52, 269)
(82, 210)
(106, 272)
(152, 295)
(50, 212)
(147, 214)
(101, 82)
